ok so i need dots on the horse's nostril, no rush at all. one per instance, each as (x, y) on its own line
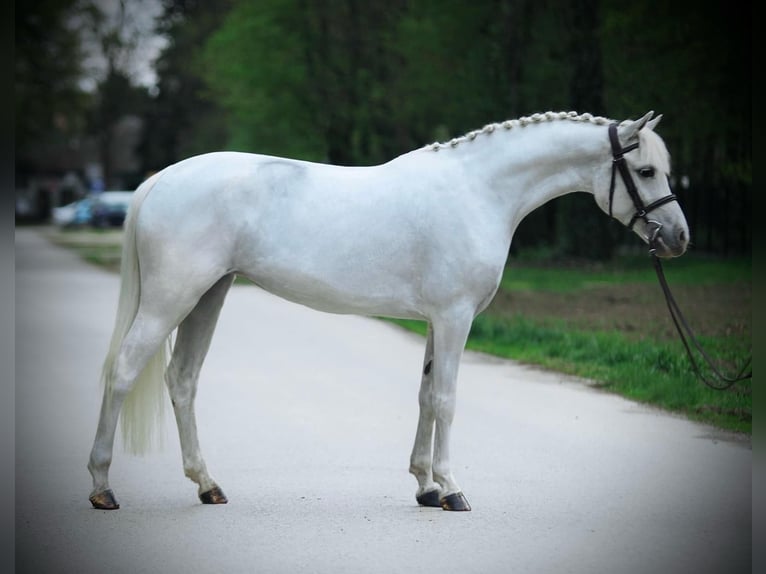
(682, 236)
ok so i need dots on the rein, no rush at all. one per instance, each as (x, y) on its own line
(720, 382)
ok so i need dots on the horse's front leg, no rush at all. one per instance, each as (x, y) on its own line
(437, 404)
(428, 493)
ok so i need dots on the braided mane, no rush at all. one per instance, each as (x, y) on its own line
(520, 123)
(652, 148)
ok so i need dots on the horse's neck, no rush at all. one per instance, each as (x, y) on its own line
(525, 167)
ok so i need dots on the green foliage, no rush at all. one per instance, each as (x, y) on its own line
(254, 65)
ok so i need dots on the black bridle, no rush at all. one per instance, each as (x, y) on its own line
(719, 381)
(619, 164)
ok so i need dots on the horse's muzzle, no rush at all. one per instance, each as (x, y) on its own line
(664, 242)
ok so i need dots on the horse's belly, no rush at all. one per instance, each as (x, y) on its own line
(335, 295)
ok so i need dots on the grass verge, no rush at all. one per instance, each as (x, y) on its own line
(99, 247)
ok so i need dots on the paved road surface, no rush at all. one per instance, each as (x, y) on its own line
(307, 420)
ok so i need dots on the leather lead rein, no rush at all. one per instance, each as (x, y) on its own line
(723, 382)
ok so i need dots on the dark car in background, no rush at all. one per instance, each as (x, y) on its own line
(75, 214)
(110, 208)
(105, 209)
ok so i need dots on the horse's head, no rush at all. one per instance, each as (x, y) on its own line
(635, 188)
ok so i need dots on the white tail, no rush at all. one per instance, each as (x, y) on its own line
(144, 407)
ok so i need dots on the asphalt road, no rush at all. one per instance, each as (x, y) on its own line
(307, 419)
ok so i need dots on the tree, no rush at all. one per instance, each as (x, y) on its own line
(183, 118)
(50, 106)
(115, 98)
(304, 79)
(255, 67)
(582, 230)
(113, 36)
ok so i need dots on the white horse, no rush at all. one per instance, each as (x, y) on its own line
(424, 236)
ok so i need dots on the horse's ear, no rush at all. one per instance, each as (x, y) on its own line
(629, 130)
(651, 124)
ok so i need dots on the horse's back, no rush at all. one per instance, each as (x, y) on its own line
(313, 233)
(389, 239)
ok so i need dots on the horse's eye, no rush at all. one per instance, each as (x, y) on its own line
(646, 172)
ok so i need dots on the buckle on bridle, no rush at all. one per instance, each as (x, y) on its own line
(653, 228)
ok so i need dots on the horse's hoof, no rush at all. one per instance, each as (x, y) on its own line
(455, 501)
(104, 500)
(213, 496)
(430, 498)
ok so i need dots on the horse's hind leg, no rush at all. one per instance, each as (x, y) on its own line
(140, 344)
(192, 343)
(159, 312)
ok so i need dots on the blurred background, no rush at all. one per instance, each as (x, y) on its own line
(110, 91)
